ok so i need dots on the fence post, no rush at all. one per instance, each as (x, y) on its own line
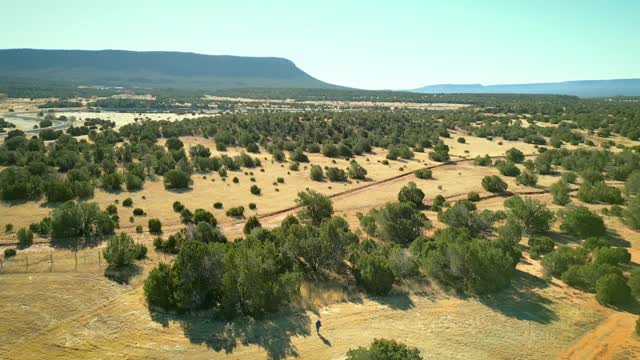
(99, 260)
(26, 259)
(51, 258)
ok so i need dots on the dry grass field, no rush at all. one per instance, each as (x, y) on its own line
(68, 309)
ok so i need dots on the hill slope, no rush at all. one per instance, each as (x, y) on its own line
(154, 69)
(584, 88)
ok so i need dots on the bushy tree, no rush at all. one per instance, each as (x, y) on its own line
(252, 223)
(424, 174)
(382, 349)
(176, 179)
(336, 174)
(120, 251)
(632, 184)
(631, 214)
(612, 289)
(611, 255)
(560, 192)
(540, 246)
(440, 153)
(585, 277)
(155, 225)
(507, 168)
(411, 193)
(320, 248)
(599, 192)
(207, 233)
(477, 266)
(527, 178)
(532, 215)
(462, 216)
(315, 207)
(374, 274)
(559, 260)
(316, 173)
(25, 238)
(159, 287)
(202, 215)
(582, 222)
(494, 184)
(399, 222)
(515, 155)
(76, 219)
(356, 171)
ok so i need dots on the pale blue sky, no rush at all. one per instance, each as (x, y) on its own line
(368, 44)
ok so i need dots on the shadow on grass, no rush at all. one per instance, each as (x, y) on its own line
(77, 243)
(616, 240)
(124, 274)
(563, 239)
(521, 302)
(398, 301)
(272, 333)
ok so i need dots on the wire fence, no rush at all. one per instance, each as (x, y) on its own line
(89, 260)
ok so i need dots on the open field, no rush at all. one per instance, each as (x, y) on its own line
(57, 303)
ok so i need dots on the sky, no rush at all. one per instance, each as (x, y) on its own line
(398, 44)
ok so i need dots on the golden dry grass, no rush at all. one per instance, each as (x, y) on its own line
(69, 314)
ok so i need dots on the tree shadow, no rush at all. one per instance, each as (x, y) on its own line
(399, 300)
(521, 302)
(563, 239)
(180, 191)
(76, 243)
(272, 333)
(616, 240)
(122, 275)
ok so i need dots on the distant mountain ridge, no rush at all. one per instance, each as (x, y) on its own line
(155, 69)
(582, 88)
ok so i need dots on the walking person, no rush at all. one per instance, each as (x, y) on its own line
(318, 325)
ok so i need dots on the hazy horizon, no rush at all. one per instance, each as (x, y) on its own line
(406, 45)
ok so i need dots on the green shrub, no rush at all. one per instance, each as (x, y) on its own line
(612, 289)
(155, 226)
(424, 174)
(120, 251)
(8, 228)
(9, 252)
(527, 178)
(252, 223)
(25, 238)
(374, 274)
(335, 174)
(382, 349)
(139, 229)
(316, 173)
(138, 212)
(237, 211)
(494, 184)
(473, 196)
(540, 246)
(140, 251)
(217, 205)
(560, 192)
(582, 222)
(255, 190)
(128, 202)
(411, 193)
(599, 192)
(178, 206)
